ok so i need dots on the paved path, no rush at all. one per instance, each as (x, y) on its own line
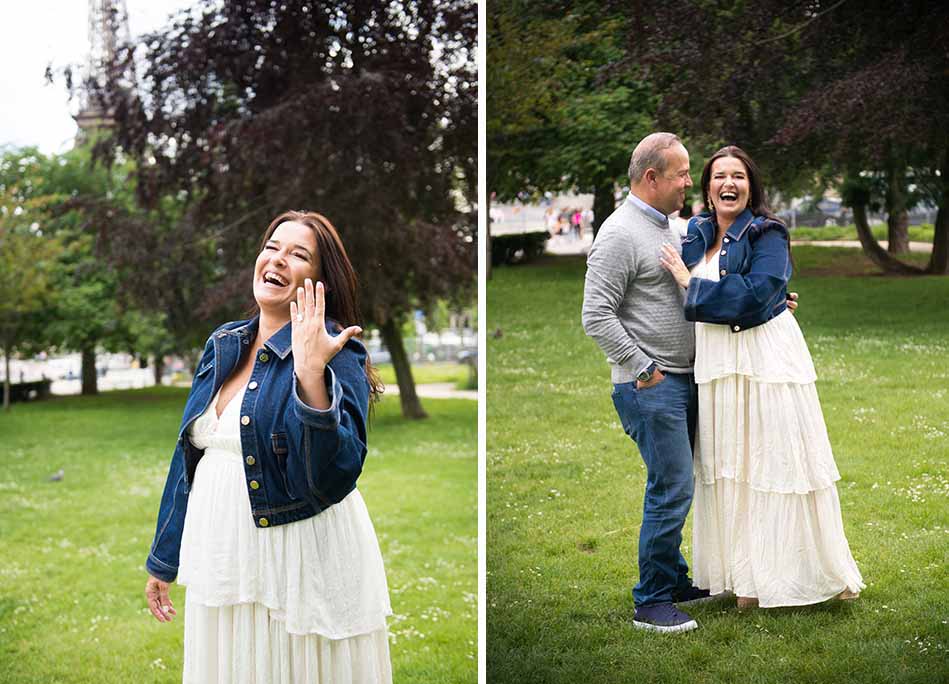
(913, 246)
(436, 390)
(432, 390)
(562, 244)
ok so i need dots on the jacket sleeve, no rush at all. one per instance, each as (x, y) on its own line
(162, 561)
(610, 265)
(328, 447)
(739, 295)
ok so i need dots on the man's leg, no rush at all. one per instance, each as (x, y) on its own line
(657, 418)
(683, 582)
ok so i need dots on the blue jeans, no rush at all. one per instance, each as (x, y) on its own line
(661, 420)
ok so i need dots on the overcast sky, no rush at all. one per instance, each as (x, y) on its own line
(34, 33)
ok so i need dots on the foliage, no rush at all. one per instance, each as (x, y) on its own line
(72, 201)
(558, 115)
(27, 266)
(363, 111)
(565, 488)
(830, 93)
(71, 576)
(818, 93)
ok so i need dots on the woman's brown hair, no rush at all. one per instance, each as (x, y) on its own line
(757, 202)
(336, 272)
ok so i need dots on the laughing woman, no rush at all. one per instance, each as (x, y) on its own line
(767, 523)
(260, 518)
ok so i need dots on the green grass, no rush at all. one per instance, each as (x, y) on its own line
(425, 373)
(71, 564)
(922, 233)
(565, 489)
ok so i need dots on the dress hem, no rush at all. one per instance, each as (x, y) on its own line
(786, 604)
(276, 613)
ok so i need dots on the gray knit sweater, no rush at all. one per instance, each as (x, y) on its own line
(632, 307)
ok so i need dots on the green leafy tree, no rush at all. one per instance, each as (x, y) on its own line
(84, 313)
(88, 309)
(561, 116)
(27, 260)
(830, 93)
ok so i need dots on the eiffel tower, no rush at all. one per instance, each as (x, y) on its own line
(107, 29)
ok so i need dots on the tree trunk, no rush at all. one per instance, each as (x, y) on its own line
(6, 379)
(603, 204)
(872, 249)
(392, 337)
(939, 261)
(159, 368)
(487, 242)
(90, 383)
(897, 217)
(897, 233)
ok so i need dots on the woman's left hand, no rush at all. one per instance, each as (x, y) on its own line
(670, 260)
(313, 346)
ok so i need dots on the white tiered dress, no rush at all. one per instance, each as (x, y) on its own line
(301, 602)
(766, 521)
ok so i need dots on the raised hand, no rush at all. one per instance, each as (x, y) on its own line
(313, 346)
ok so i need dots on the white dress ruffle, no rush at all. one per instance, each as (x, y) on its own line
(767, 521)
(303, 601)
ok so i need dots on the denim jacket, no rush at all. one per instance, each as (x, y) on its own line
(298, 460)
(754, 268)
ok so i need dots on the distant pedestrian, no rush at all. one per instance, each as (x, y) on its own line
(587, 222)
(551, 221)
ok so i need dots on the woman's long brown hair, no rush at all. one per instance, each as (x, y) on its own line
(336, 272)
(757, 202)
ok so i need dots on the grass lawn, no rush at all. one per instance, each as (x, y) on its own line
(565, 488)
(921, 233)
(425, 373)
(72, 561)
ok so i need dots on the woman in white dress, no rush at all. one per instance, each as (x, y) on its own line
(260, 519)
(767, 523)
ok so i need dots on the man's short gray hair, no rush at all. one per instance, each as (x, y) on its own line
(649, 154)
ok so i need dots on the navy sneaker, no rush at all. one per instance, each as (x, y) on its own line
(663, 617)
(691, 594)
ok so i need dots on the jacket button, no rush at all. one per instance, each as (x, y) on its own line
(725, 240)
(250, 460)
(263, 522)
(724, 252)
(245, 420)
(722, 272)
(264, 357)
(736, 328)
(252, 385)
(254, 484)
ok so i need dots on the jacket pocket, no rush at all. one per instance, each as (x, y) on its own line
(279, 445)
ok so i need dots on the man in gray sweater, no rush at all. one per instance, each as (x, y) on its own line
(633, 308)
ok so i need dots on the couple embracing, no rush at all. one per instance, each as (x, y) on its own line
(713, 380)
